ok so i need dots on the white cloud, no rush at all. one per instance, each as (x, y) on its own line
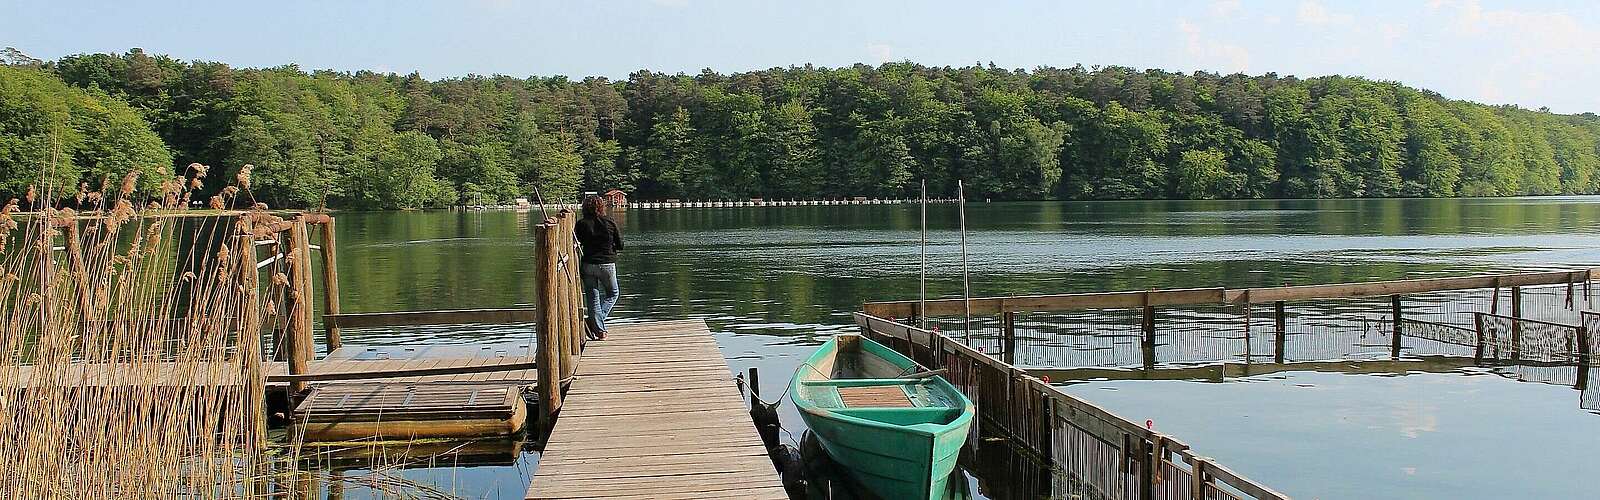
(1211, 53)
(1314, 13)
(1224, 8)
(1392, 32)
(1531, 32)
(880, 52)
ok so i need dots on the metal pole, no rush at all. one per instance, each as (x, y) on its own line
(922, 283)
(966, 280)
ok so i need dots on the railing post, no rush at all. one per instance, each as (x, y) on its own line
(1394, 341)
(1280, 328)
(1148, 343)
(549, 347)
(1197, 479)
(1477, 324)
(1147, 465)
(1583, 347)
(297, 340)
(1516, 323)
(1008, 327)
(330, 284)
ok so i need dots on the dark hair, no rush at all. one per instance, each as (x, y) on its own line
(594, 206)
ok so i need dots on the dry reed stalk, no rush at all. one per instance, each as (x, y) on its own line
(126, 372)
(131, 351)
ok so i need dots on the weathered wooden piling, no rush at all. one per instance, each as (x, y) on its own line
(297, 340)
(330, 282)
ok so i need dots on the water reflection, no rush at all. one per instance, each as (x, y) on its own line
(775, 282)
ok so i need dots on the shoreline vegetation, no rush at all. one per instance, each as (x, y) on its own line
(368, 140)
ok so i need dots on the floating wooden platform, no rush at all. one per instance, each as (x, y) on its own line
(437, 402)
(390, 411)
(654, 413)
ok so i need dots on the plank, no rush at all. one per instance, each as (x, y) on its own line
(444, 317)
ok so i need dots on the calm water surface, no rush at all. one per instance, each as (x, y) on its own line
(775, 282)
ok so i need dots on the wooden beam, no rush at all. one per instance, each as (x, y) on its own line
(441, 317)
(1192, 296)
(506, 365)
(1402, 287)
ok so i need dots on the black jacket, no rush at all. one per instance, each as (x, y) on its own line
(600, 239)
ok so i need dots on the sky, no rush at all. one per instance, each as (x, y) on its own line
(1530, 53)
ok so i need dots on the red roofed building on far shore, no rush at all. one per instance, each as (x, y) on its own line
(617, 199)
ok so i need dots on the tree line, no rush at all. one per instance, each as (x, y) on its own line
(369, 140)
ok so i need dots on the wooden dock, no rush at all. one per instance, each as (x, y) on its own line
(654, 413)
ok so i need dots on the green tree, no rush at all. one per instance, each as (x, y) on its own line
(1203, 175)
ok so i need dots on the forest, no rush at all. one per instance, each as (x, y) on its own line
(366, 140)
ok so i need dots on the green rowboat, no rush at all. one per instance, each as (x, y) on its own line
(895, 426)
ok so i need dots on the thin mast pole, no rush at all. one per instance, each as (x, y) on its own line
(966, 280)
(922, 281)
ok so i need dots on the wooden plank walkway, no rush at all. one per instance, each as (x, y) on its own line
(654, 413)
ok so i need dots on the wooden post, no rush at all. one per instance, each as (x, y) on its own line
(567, 264)
(1280, 328)
(1494, 300)
(755, 384)
(1583, 347)
(250, 338)
(1008, 327)
(1147, 465)
(1516, 322)
(297, 340)
(1148, 345)
(1477, 324)
(574, 285)
(1394, 341)
(330, 283)
(549, 347)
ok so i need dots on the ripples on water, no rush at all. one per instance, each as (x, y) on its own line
(775, 282)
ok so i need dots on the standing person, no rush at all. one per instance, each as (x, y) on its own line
(601, 241)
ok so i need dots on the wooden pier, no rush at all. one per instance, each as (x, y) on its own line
(654, 413)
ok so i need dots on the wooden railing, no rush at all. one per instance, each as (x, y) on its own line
(1105, 455)
(1212, 316)
(1217, 295)
(558, 311)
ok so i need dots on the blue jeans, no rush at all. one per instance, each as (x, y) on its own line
(600, 291)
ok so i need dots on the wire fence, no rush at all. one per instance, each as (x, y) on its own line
(1538, 322)
(1536, 325)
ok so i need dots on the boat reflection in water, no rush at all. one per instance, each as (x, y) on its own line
(825, 479)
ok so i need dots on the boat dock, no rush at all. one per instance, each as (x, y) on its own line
(654, 413)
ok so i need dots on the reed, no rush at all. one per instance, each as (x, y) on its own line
(127, 370)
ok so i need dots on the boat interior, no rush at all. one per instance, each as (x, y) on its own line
(866, 380)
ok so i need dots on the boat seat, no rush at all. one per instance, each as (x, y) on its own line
(883, 396)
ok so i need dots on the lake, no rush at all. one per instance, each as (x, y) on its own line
(774, 282)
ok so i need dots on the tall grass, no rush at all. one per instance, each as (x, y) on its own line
(131, 357)
(125, 370)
